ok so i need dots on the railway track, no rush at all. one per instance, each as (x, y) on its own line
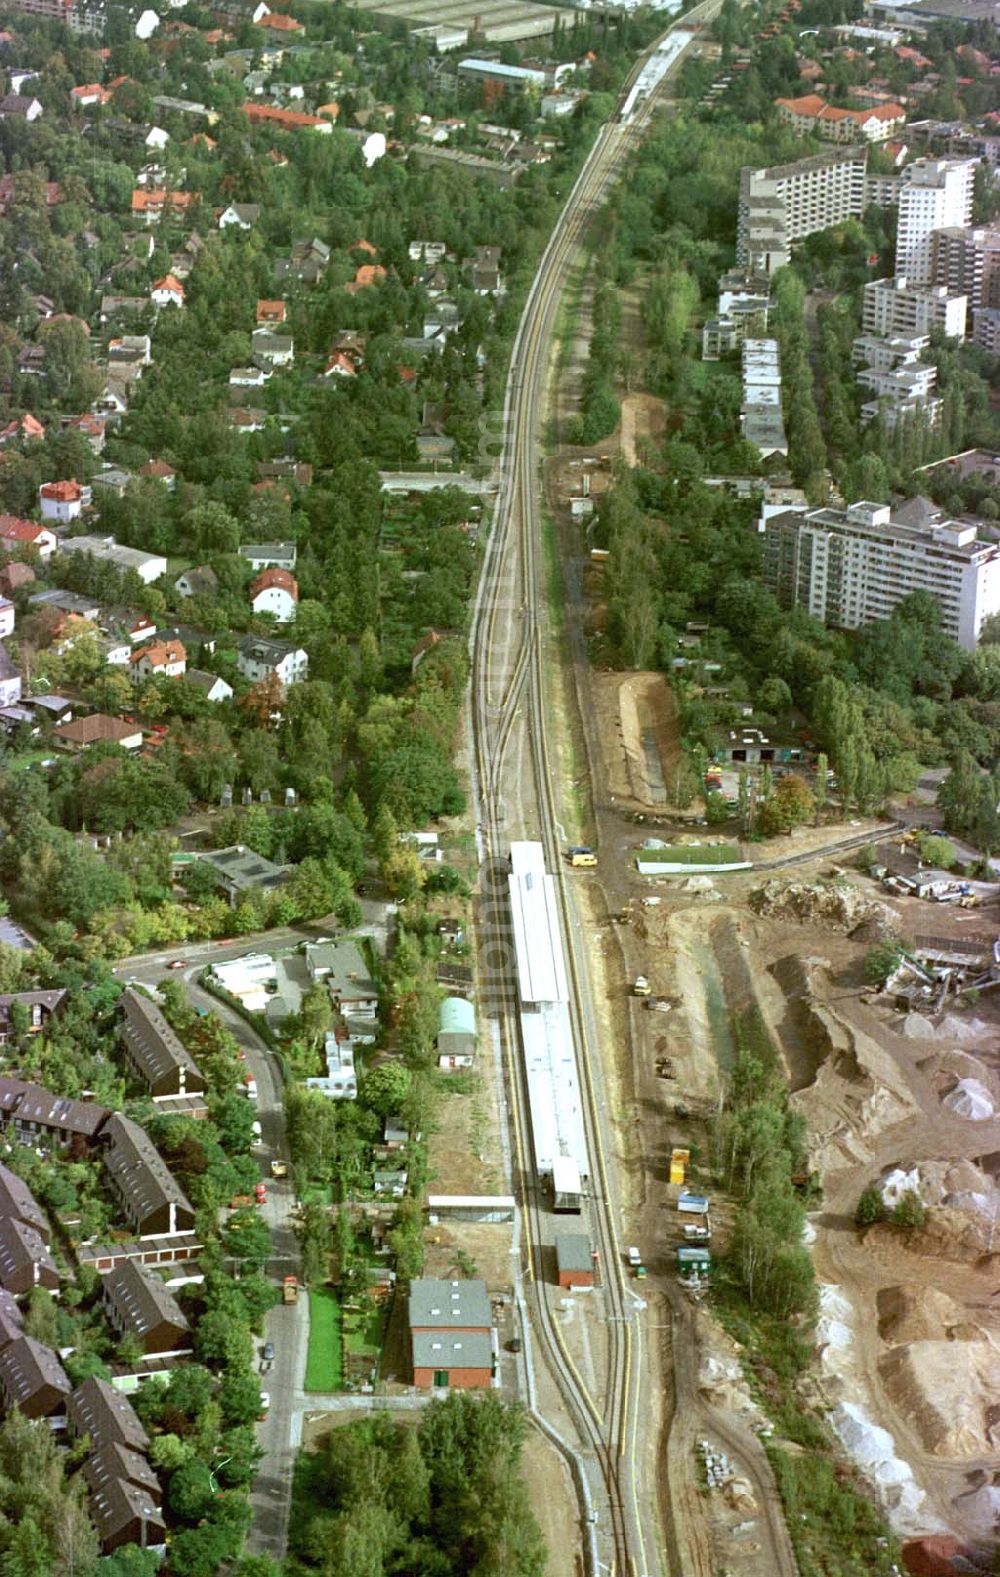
(509, 684)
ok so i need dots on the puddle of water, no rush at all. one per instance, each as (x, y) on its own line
(715, 1004)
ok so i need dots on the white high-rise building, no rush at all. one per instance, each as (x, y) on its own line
(851, 566)
(937, 195)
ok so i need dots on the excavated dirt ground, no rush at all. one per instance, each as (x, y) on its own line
(915, 1342)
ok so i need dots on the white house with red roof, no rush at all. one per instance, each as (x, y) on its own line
(26, 428)
(275, 591)
(63, 501)
(167, 292)
(16, 533)
(159, 660)
(812, 114)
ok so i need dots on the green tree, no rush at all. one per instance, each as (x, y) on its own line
(871, 1208)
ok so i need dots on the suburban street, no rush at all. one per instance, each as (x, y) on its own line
(287, 1327)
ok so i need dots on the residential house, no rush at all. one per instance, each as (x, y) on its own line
(240, 216)
(212, 687)
(10, 679)
(340, 365)
(812, 115)
(277, 22)
(18, 1203)
(247, 419)
(154, 1051)
(42, 1118)
(24, 429)
(103, 1413)
(87, 95)
(51, 709)
(152, 204)
(451, 1326)
(368, 274)
(139, 1305)
(307, 261)
(160, 660)
(18, 106)
(97, 729)
(14, 577)
(277, 350)
(261, 555)
(7, 617)
(259, 658)
(275, 591)
(298, 471)
(249, 377)
(11, 1319)
(270, 313)
(285, 120)
(238, 870)
(34, 1009)
(32, 1379)
(148, 566)
(201, 581)
(124, 1512)
(17, 535)
(154, 1203)
(63, 501)
(340, 1083)
(167, 292)
(342, 965)
(25, 1260)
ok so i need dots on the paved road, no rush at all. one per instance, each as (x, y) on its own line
(287, 1327)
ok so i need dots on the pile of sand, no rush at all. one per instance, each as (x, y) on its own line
(970, 1099)
(981, 1506)
(873, 1449)
(838, 905)
(944, 1391)
(912, 1313)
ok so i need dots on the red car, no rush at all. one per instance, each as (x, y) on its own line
(260, 1194)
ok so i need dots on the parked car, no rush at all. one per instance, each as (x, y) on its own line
(267, 1352)
(265, 1406)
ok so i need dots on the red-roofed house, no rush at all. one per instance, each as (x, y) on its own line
(284, 120)
(340, 365)
(152, 203)
(812, 115)
(279, 23)
(91, 427)
(63, 501)
(159, 660)
(271, 312)
(160, 471)
(365, 246)
(367, 274)
(26, 427)
(88, 94)
(16, 533)
(167, 292)
(275, 591)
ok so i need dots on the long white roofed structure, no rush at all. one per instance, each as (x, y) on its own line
(554, 1096)
(541, 971)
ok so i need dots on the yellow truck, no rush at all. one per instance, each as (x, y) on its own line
(290, 1289)
(279, 1168)
(582, 858)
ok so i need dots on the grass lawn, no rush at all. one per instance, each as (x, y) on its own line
(25, 759)
(323, 1360)
(363, 1331)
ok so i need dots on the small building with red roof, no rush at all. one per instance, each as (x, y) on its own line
(275, 591)
(167, 292)
(17, 534)
(159, 660)
(63, 501)
(26, 428)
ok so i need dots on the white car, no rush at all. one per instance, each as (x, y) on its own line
(633, 1256)
(265, 1404)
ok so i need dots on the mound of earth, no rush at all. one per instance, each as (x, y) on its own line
(873, 1449)
(944, 1392)
(910, 1313)
(858, 1093)
(981, 1506)
(970, 1099)
(836, 905)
